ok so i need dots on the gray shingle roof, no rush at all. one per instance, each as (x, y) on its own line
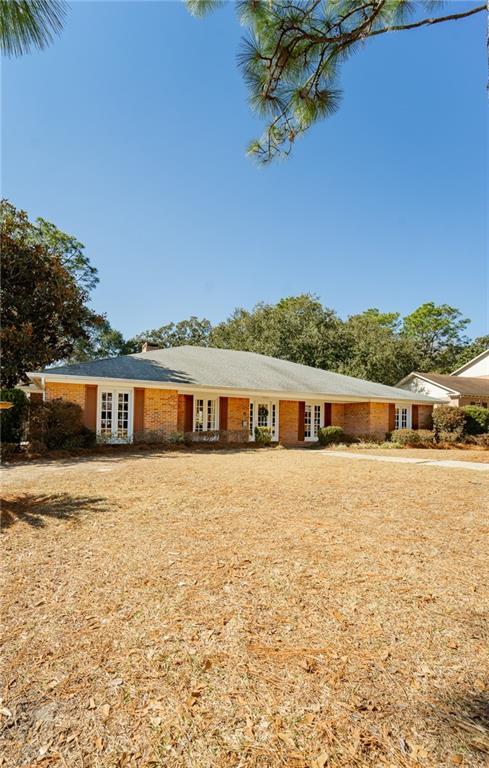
(464, 385)
(224, 368)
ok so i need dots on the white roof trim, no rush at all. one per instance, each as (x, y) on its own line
(233, 391)
(475, 359)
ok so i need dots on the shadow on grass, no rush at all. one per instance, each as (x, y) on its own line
(466, 724)
(33, 508)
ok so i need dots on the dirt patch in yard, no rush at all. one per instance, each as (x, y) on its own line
(244, 609)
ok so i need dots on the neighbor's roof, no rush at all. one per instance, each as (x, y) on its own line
(470, 363)
(189, 366)
(462, 385)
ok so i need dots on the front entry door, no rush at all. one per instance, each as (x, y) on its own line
(263, 413)
(114, 423)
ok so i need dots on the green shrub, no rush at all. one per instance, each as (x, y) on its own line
(263, 435)
(449, 420)
(12, 421)
(59, 424)
(177, 438)
(330, 435)
(405, 437)
(477, 419)
(426, 438)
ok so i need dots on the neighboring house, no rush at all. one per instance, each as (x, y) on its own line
(468, 385)
(202, 390)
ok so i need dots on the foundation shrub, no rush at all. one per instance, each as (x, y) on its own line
(331, 435)
(448, 420)
(59, 425)
(263, 435)
(476, 419)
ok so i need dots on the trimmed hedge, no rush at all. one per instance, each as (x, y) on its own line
(330, 435)
(476, 419)
(416, 438)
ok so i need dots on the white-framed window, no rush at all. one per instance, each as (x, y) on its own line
(312, 420)
(403, 417)
(115, 415)
(205, 414)
(263, 413)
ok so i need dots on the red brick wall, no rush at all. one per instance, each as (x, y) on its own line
(161, 411)
(288, 421)
(366, 419)
(238, 411)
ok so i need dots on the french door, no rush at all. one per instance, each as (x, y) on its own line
(264, 413)
(114, 423)
(312, 420)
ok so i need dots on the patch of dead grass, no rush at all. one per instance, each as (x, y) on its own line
(249, 609)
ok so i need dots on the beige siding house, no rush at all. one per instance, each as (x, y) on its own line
(468, 385)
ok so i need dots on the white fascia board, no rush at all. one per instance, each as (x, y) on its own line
(408, 397)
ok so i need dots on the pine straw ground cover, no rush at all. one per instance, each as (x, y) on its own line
(263, 608)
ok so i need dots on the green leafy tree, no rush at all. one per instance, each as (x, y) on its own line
(478, 345)
(437, 333)
(292, 55)
(44, 308)
(297, 328)
(102, 341)
(29, 24)
(195, 331)
(376, 350)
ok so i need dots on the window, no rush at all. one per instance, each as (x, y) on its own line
(204, 414)
(252, 420)
(312, 420)
(403, 417)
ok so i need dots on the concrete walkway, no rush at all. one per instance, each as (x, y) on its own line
(445, 463)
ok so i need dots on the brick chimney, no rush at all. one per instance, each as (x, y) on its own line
(148, 346)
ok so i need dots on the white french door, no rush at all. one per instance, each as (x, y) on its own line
(312, 420)
(264, 413)
(206, 415)
(403, 417)
(115, 415)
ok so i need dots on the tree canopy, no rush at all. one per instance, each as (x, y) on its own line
(29, 24)
(293, 50)
(45, 288)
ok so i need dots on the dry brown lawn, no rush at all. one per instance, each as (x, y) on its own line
(273, 608)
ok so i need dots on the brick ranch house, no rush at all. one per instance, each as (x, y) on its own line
(202, 390)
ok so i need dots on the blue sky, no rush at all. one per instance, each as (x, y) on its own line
(130, 133)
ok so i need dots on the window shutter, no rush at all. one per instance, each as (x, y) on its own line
(300, 430)
(138, 424)
(327, 415)
(223, 413)
(392, 417)
(189, 413)
(90, 411)
(414, 417)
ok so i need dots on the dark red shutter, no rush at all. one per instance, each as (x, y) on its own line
(327, 415)
(414, 417)
(300, 430)
(138, 411)
(223, 413)
(392, 417)
(189, 413)
(90, 412)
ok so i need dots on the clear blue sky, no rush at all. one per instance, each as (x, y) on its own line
(130, 131)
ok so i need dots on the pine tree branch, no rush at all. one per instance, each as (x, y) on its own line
(425, 22)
